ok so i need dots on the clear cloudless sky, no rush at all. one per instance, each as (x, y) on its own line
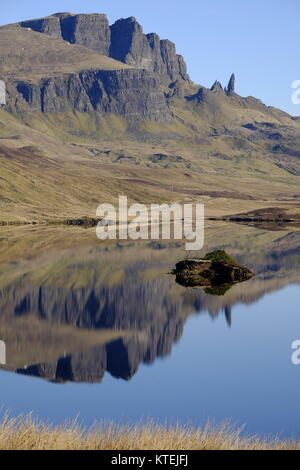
(256, 39)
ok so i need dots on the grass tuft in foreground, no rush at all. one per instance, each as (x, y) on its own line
(25, 433)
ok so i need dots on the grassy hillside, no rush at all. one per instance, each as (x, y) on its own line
(28, 54)
(90, 159)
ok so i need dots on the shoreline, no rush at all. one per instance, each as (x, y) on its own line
(92, 222)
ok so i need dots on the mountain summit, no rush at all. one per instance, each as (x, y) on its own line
(78, 62)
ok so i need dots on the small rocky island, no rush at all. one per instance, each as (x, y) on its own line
(216, 269)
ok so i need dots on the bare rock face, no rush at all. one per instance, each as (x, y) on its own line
(231, 85)
(31, 93)
(165, 61)
(174, 64)
(91, 31)
(182, 68)
(124, 41)
(136, 94)
(130, 45)
(176, 90)
(133, 94)
(216, 269)
(49, 26)
(157, 61)
(217, 87)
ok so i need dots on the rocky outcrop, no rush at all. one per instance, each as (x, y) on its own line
(217, 87)
(215, 96)
(133, 94)
(124, 41)
(137, 94)
(129, 44)
(216, 269)
(157, 64)
(91, 31)
(176, 90)
(175, 65)
(231, 85)
(50, 25)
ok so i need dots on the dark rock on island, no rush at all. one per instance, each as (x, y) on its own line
(215, 270)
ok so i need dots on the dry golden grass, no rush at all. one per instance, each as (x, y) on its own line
(24, 433)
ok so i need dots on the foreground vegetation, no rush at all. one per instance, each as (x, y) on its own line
(24, 433)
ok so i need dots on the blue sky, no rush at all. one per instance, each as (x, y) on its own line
(258, 40)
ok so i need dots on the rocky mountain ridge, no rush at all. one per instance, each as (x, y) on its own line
(126, 72)
(124, 41)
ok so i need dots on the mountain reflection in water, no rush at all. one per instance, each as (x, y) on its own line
(74, 314)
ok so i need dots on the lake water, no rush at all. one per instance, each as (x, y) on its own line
(104, 332)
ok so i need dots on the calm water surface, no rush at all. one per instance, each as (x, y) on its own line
(105, 332)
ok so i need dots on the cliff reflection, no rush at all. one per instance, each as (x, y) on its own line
(79, 313)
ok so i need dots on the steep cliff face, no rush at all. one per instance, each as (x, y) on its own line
(133, 94)
(175, 65)
(139, 93)
(91, 31)
(156, 58)
(129, 44)
(87, 65)
(124, 41)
